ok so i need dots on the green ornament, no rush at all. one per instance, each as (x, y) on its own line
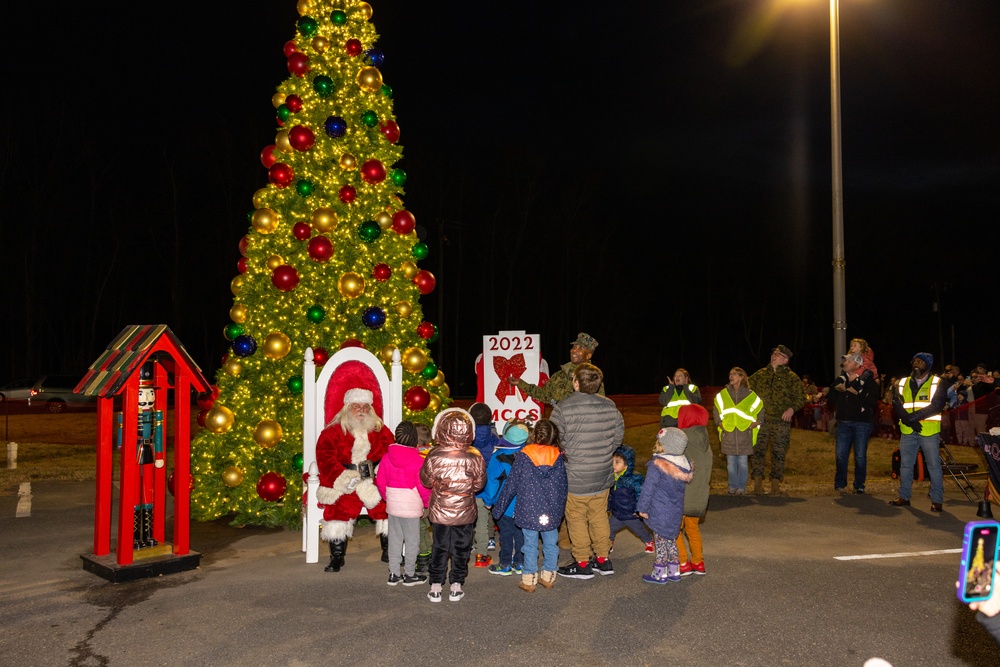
(369, 230)
(386, 90)
(297, 462)
(420, 250)
(305, 188)
(338, 17)
(398, 177)
(324, 85)
(430, 371)
(308, 26)
(316, 314)
(369, 118)
(283, 113)
(233, 330)
(433, 339)
(295, 384)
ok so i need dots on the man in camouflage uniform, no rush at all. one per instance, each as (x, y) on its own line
(560, 385)
(782, 393)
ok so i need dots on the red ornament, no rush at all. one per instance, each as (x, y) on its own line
(286, 278)
(280, 122)
(390, 131)
(425, 281)
(267, 156)
(206, 399)
(416, 398)
(271, 486)
(201, 418)
(320, 356)
(301, 138)
(351, 342)
(320, 248)
(298, 64)
(280, 174)
(170, 483)
(353, 47)
(302, 231)
(348, 194)
(294, 103)
(244, 243)
(241, 265)
(372, 171)
(382, 272)
(403, 222)
(425, 330)
(290, 48)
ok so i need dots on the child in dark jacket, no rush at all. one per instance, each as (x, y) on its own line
(624, 495)
(538, 480)
(515, 434)
(486, 440)
(662, 502)
(424, 444)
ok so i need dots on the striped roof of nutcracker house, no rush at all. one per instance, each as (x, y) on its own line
(128, 352)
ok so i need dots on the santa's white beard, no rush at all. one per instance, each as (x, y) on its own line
(362, 425)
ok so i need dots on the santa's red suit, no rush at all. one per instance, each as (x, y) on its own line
(342, 492)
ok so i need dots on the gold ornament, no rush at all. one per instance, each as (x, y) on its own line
(369, 79)
(384, 220)
(324, 220)
(387, 351)
(409, 269)
(320, 44)
(219, 419)
(274, 261)
(268, 433)
(445, 390)
(434, 404)
(365, 10)
(281, 142)
(277, 100)
(304, 7)
(277, 345)
(403, 308)
(232, 476)
(348, 162)
(258, 198)
(234, 367)
(238, 313)
(438, 380)
(236, 284)
(264, 220)
(414, 359)
(351, 285)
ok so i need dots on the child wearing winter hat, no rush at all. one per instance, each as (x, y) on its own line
(693, 421)
(515, 435)
(623, 496)
(398, 481)
(662, 501)
(486, 440)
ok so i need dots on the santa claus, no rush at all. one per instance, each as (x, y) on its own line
(347, 452)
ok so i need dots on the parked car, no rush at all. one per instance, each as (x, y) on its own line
(55, 392)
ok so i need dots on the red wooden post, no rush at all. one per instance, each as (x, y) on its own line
(162, 384)
(182, 463)
(105, 463)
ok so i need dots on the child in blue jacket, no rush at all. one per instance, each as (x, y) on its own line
(662, 501)
(515, 434)
(624, 496)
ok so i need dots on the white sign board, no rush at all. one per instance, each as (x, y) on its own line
(505, 354)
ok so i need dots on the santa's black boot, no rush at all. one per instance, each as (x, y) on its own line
(337, 549)
(385, 547)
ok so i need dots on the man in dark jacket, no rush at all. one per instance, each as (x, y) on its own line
(855, 402)
(590, 428)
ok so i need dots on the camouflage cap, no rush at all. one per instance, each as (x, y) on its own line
(586, 341)
(783, 349)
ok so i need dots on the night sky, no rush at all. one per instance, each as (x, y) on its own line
(656, 174)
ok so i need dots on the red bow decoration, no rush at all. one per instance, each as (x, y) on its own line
(505, 368)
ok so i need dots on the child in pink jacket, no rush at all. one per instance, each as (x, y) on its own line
(398, 480)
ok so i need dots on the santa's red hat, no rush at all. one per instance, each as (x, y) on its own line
(352, 382)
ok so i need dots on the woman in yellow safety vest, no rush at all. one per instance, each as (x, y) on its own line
(676, 395)
(739, 413)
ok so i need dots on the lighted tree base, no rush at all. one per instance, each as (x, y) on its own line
(152, 562)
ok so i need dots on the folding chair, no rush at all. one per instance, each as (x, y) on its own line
(958, 473)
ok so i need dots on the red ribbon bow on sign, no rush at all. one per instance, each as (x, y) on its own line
(506, 368)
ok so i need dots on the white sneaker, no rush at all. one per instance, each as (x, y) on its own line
(434, 595)
(456, 593)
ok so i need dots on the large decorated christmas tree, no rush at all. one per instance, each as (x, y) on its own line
(330, 260)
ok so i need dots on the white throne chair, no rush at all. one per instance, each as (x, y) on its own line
(318, 411)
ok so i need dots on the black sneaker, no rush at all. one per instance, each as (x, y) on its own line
(604, 568)
(574, 571)
(860, 491)
(394, 579)
(413, 579)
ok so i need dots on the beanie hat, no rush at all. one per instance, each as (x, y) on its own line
(515, 433)
(927, 358)
(406, 434)
(673, 440)
(692, 415)
(481, 413)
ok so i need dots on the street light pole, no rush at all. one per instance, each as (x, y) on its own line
(839, 299)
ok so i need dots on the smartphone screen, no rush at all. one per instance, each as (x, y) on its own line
(978, 561)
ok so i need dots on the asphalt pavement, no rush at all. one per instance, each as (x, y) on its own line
(775, 593)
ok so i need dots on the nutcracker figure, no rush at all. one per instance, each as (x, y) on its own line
(149, 452)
